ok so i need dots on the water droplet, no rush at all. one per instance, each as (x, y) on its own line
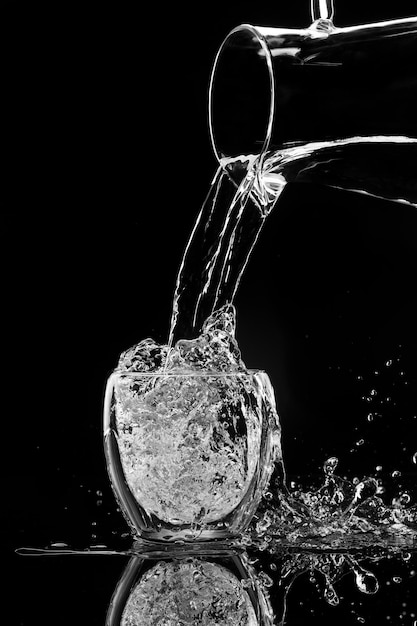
(330, 594)
(364, 490)
(396, 474)
(273, 566)
(397, 579)
(58, 544)
(366, 581)
(415, 458)
(370, 417)
(376, 373)
(99, 502)
(99, 493)
(361, 619)
(359, 377)
(330, 465)
(405, 499)
(379, 468)
(388, 363)
(373, 392)
(360, 442)
(406, 556)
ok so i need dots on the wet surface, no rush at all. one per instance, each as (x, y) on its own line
(285, 587)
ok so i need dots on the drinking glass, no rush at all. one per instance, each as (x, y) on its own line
(190, 454)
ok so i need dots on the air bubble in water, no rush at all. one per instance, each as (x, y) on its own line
(265, 580)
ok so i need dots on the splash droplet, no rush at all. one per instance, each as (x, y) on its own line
(365, 490)
(405, 499)
(330, 594)
(330, 465)
(366, 582)
(265, 580)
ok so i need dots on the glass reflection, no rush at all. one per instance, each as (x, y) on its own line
(211, 584)
(189, 586)
(227, 583)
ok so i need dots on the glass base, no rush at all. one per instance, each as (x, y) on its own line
(172, 535)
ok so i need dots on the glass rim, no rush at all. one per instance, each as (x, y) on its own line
(263, 45)
(250, 372)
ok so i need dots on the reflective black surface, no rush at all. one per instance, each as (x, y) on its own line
(191, 584)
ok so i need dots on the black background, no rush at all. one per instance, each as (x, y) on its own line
(106, 162)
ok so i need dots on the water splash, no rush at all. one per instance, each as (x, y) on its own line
(339, 513)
